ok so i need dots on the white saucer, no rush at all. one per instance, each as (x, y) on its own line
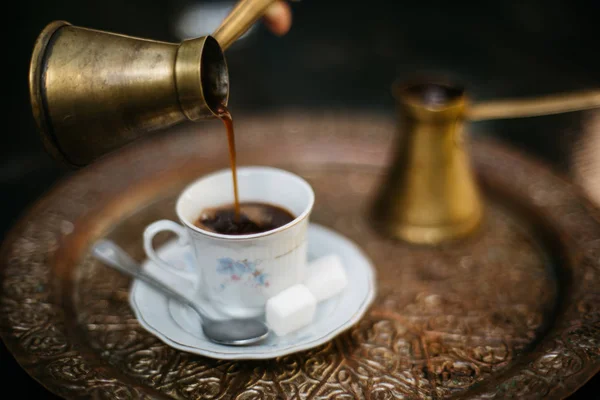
(179, 327)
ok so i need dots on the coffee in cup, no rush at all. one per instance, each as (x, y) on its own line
(253, 217)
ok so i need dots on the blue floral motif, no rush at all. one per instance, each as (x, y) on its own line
(225, 265)
(261, 279)
(242, 271)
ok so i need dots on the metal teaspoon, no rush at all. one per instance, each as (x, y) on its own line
(231, 332)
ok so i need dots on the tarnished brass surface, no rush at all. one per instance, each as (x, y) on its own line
(430, 195)
(92, 91)
(586, 157)
(513, 311)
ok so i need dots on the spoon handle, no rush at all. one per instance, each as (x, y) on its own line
(117, 258)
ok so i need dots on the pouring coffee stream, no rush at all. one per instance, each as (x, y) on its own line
(225, 116)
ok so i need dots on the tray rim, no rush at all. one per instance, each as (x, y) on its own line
(492, 146)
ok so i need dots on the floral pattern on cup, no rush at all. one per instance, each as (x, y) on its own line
(238, 271)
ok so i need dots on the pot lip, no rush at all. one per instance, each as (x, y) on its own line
(411, 96)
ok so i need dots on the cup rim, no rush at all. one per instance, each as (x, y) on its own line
(251, 168)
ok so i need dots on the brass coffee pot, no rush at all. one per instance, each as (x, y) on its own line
(93, 92)
(430, 195)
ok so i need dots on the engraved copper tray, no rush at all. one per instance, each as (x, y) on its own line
(513, 311)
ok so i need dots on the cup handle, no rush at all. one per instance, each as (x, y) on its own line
(159, 226)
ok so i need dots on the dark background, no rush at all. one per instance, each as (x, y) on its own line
(338, 55)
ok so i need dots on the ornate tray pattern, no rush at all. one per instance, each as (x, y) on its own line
(513, 311)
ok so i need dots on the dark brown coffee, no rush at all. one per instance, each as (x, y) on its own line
(253, 218)
(225, 116)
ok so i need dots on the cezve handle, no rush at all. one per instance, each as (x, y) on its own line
(240, 19)
(548, 105)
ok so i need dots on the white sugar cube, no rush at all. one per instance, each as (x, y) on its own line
(291, 309)
(326, 277)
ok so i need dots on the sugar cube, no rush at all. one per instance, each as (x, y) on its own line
(326, 277)
(290, 309)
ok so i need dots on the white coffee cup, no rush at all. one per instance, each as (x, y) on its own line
(238, 273)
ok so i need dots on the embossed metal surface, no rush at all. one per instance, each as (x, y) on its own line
(511, 311)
